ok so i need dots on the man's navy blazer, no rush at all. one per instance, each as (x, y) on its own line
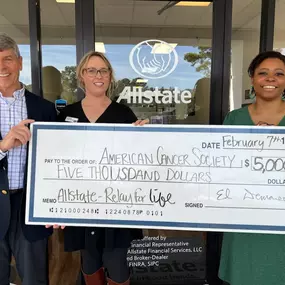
(38, 109)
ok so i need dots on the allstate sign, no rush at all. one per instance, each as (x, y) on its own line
(153, 59)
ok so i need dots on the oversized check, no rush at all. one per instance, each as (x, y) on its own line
(214, 178)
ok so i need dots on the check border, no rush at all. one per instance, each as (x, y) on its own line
(145, 224)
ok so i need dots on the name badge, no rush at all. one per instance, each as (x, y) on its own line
(71, 119)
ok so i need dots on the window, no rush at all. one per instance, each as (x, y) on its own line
(58, 51)
(245, 46)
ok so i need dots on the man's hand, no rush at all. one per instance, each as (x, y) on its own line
(18, 135)
(55, 227)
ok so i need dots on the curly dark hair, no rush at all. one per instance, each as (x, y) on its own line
(261, 57)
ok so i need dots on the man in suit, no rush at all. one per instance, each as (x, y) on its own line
(18, 109)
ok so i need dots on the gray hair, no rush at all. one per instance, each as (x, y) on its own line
(7, 42)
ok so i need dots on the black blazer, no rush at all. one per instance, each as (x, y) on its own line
(76, 238)
(38, 109)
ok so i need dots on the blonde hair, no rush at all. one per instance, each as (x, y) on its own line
(81, 66)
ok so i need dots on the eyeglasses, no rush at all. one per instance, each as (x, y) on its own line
(92, 72)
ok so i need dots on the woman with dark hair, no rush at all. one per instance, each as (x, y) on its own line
(258, 259)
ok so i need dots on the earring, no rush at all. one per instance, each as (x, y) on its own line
(283, 96)
(251, 93)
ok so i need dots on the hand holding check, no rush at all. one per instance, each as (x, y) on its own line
(18, 135)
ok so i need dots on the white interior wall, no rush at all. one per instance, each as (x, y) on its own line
(243, 51)
(236, 85)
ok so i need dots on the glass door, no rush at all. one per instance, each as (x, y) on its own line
(161, 54)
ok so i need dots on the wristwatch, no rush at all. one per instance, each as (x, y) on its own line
(1, 151)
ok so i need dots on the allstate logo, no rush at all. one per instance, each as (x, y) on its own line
(153, 59)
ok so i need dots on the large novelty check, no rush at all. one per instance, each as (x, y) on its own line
(217, 178)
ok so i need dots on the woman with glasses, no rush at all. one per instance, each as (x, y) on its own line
(102, 249)
(258, 259)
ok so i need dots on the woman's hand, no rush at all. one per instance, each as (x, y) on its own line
(141, 122)
(55, 226)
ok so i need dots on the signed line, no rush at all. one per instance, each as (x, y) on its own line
(244, 208)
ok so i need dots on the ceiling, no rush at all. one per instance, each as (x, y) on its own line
(129, 20)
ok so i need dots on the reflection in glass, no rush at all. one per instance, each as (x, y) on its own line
(161, 55)
(59, 72)
(180, 97)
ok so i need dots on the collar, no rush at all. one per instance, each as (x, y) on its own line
(18, 94)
